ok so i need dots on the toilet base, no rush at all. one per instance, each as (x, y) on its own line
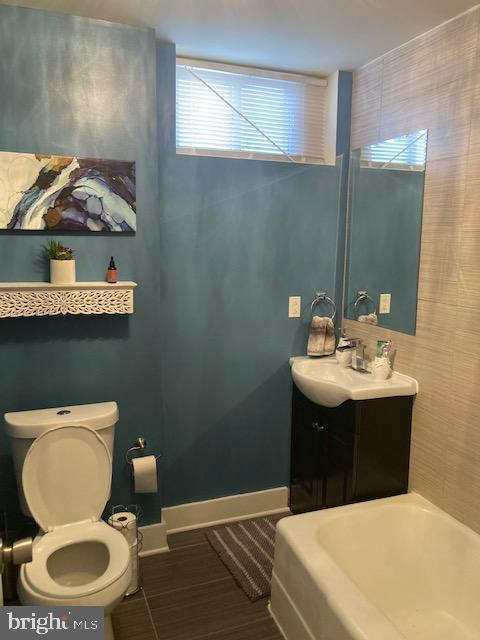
(108, 598)
(108, 628)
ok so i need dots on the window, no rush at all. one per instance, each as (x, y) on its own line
(405, 152)
(250, 113)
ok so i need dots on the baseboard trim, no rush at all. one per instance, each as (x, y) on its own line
(196, 515)
(154, 539)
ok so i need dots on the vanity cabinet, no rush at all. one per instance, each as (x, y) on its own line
(357, 451)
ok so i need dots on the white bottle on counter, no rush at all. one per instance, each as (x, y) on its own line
(344, 356)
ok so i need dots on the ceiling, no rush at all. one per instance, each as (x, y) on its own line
(311, 36)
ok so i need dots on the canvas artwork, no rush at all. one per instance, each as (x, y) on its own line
(66, 193)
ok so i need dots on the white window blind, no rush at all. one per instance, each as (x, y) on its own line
(405, 152)
(237, 112)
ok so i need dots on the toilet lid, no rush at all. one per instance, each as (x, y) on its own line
(67, 476)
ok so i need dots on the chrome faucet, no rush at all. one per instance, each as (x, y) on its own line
(359, 361)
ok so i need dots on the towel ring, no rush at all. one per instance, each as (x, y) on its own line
(322, 297)
(362, 296)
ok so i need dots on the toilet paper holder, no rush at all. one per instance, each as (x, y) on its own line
(139, 444)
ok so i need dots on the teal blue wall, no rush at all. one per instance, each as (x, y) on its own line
(76, 86)
(385, 233)
(201, 368)
(237, 238)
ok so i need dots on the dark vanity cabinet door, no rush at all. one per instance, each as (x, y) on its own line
(336, 463)
(382, 447)
(307, 445)
(356, 451)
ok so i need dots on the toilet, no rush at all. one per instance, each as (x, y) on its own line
(63, 464)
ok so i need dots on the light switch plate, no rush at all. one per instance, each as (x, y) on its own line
(385, 301)
(294, 306)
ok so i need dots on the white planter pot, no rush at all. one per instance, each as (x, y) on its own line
(62, 271)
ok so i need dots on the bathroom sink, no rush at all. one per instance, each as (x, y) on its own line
(325, 382)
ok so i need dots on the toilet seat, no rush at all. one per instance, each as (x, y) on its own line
(39, 577)
(66, 479)
(66, 476)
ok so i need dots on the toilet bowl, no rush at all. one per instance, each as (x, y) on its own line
(83, 564)
(79, 559)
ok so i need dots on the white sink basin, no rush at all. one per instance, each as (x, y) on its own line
(325, 382)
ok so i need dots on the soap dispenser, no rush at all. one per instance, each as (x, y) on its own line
(345, 350)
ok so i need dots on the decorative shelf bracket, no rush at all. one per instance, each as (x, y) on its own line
(27, 299)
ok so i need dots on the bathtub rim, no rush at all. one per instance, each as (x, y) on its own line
(360, 616)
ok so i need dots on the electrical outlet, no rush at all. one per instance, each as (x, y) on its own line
(294, 306)
(385, 301)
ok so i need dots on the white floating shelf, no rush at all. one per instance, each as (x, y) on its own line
(82, 298)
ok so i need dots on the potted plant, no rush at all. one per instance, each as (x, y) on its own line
(62, 263)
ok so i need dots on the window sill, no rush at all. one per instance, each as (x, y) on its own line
(245, 155)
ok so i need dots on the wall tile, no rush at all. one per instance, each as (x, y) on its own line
(475, 122)
(434, 82)
(428, 452)
(436, 58)
(444, 191)
(434, 325)
(466, 378)
(442, 217)
(367, 88)
(469, 253)
(445, 112)
(366, 104)
(462, 471)
(366, 130)
(467, 335)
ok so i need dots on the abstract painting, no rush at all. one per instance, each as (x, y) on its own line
(66, 193)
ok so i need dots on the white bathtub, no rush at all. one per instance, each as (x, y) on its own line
(387, 569)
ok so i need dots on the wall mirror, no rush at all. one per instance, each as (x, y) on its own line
(384, 226)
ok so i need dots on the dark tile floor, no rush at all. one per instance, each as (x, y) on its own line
(188, 594)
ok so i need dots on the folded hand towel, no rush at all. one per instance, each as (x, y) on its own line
(370, 318)
(321, 340)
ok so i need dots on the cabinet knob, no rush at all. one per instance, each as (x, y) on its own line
(318, 427)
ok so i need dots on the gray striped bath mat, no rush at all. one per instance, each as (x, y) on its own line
(246, 548)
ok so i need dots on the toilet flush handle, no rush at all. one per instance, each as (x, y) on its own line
(20, 552)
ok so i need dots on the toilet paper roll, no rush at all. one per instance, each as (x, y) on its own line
(134, 582)
(145, 474)
(126, 523)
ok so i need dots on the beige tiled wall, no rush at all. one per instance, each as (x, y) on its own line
(434, 82)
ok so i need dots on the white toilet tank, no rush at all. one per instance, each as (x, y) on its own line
(24, 426)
